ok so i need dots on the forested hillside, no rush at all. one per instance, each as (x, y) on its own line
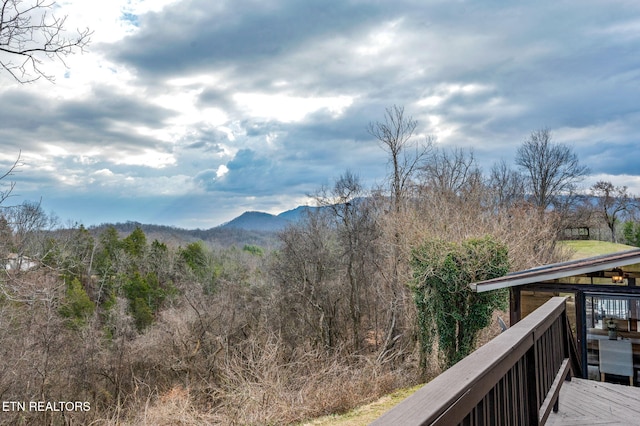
(343, 308)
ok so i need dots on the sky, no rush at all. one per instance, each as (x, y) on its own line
(190, 112)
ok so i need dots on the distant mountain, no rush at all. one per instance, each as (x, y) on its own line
(257, 221)
(250, 227)
(298, 213)
(265, 222)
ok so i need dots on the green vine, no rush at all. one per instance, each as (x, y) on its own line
(449, 312)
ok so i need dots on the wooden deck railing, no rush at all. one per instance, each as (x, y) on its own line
(514, 379)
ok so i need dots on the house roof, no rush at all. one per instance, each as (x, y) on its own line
(560, 270)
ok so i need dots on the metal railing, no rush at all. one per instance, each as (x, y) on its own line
(514, 379)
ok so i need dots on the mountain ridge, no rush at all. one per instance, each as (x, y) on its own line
(267, 222)
(250, 227)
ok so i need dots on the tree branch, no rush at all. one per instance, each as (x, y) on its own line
(20, 38)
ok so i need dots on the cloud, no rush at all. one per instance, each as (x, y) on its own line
(254, 104)
(247, 173)
(196, 33)
(288, 109)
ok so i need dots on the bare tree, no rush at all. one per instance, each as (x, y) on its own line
(356, 229)
(29, 33)
(7, 241)
(406, 156)
(6, 191)
(506, 184)
(395, 135)
(306, 272)
(612, 202)
(552, 169)
(452, 173)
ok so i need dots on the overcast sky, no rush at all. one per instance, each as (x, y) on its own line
(190, 112)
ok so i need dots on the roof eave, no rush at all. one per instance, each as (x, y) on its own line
(625, 258)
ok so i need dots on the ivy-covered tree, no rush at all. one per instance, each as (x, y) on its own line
(448, 310)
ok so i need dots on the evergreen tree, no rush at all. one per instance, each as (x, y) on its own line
(77, 306)
(136, 243)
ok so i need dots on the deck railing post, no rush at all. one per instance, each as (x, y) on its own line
(515, 305)
(565, 335)
(531, 386)
(581, 332)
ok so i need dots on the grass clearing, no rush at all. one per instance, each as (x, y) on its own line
(365, 414)
(590, 248)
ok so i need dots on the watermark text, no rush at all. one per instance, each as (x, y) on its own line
(34, 406)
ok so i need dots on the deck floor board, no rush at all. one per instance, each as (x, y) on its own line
(587, 402)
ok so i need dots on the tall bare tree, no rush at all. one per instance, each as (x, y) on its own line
(406, 157)
(612, 202)
(29, 33)
(552, 169)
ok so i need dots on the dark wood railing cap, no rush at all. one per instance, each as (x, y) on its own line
(463, 385)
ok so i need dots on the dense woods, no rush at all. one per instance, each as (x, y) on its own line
(363, 295)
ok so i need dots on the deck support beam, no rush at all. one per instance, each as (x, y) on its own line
(515, 305)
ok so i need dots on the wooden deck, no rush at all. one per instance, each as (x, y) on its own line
(514, 379)
(587, 402)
